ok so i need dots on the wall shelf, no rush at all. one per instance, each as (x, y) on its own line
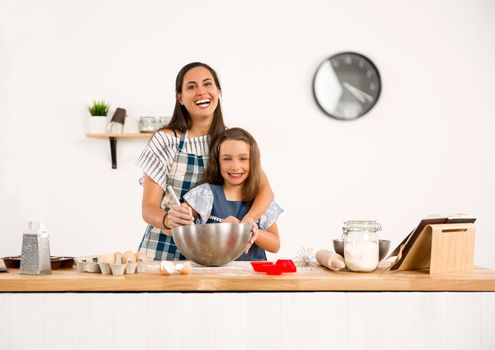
(113, 141)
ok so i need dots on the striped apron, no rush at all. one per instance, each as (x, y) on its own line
(187, 169)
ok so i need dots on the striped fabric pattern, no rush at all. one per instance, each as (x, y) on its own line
(179, 163)
(158, 156)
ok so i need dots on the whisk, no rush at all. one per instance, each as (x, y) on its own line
(305, 257)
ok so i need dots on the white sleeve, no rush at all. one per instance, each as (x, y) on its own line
(201, 199)
(157, 158)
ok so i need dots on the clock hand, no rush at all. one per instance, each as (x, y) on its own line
(359, 94)
(354, 92)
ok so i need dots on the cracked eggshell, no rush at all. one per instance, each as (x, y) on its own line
(167, 267)
(184, 268)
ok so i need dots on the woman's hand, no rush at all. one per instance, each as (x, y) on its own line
(179, 216)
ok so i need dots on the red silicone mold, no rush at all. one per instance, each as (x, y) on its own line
(261, 266)
(270, 268)
(287, 265)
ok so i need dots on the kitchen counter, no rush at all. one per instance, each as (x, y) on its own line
(239, 276)
(310, 309)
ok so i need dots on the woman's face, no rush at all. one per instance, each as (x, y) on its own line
(199, 93)
(234, 162)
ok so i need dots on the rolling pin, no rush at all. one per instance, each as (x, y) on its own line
(330, 260)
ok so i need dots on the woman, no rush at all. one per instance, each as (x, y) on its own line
(177, 155)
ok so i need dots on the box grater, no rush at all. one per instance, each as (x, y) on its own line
(35, 257)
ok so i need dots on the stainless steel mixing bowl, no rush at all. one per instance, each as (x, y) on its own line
(383, 247)
(212, 244)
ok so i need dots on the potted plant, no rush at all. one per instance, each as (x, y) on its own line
(98, 119)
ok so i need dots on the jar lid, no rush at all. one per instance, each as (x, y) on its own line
(361, 226)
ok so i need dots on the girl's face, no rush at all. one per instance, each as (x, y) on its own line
(234, 162)
(199, 93)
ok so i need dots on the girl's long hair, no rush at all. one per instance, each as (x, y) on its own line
(251, 186)
(181, 120)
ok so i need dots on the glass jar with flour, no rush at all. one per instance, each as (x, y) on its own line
(361, 245)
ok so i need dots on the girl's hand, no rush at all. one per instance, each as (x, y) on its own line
(231, 219)
(254, 232)
(179, 216)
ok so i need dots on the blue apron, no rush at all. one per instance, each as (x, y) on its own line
(223, 208)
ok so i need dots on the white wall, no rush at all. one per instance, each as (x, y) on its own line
(427, 147)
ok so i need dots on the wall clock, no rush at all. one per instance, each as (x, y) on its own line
(347, 85)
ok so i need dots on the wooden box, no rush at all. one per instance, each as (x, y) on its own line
(441, 248)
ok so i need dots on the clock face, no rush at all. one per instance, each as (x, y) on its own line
(347, 85)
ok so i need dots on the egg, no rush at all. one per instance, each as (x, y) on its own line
(128, 256)
(107, 258)
(184, 268)
(167, 267)
(140, 256)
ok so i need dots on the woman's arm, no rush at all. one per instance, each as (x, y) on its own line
(154, 215)
(269, 240)
(262, 200)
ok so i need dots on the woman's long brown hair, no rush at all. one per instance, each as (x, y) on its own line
(251, 187)
(181, 120)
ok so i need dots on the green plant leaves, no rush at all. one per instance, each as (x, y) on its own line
(99, 108)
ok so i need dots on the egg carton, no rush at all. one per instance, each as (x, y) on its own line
(91, 264)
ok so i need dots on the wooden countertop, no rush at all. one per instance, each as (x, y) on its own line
(239, 276)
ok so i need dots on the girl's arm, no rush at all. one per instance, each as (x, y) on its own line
(269, 240)
(262, 200)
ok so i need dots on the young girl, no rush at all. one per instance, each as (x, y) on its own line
(229, 187)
